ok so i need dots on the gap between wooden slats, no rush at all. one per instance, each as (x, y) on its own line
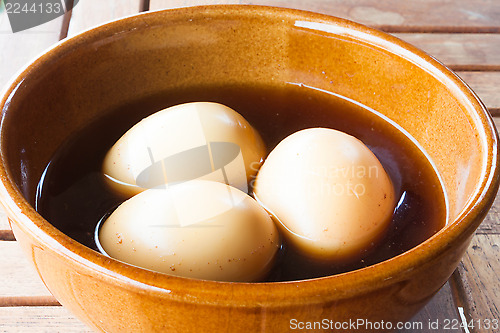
(6, 301)
(18, 277)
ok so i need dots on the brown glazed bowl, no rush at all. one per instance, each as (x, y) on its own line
(82, 78)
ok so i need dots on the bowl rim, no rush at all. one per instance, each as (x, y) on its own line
(343, 285)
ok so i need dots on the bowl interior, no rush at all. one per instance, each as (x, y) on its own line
(88, 76)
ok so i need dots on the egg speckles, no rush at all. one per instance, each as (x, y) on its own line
(200, 140)
(330, 194)
(186, 171)
(199, 229)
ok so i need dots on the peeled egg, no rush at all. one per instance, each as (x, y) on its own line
(330, 194)
(200, 140)
(199, 229)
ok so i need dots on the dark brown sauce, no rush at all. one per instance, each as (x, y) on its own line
(72, 196)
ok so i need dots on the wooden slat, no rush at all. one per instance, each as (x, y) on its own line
(475, 283)
(36, 319)
(89, 13)
(459, 51)
(18, 277)
(487, 86)
(392, 15)
(440, 307)
(19, 48)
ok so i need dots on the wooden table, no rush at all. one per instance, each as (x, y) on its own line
(463, 34)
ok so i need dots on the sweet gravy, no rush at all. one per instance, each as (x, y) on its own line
(72, 196)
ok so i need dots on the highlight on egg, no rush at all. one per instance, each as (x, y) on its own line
(185, 171)
(199, 229)
(199, 140)
(329, 194)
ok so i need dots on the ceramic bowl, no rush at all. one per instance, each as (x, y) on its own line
(82, 78)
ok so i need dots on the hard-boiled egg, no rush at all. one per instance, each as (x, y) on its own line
(199, 140)
(199, 229)
(329, 192)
